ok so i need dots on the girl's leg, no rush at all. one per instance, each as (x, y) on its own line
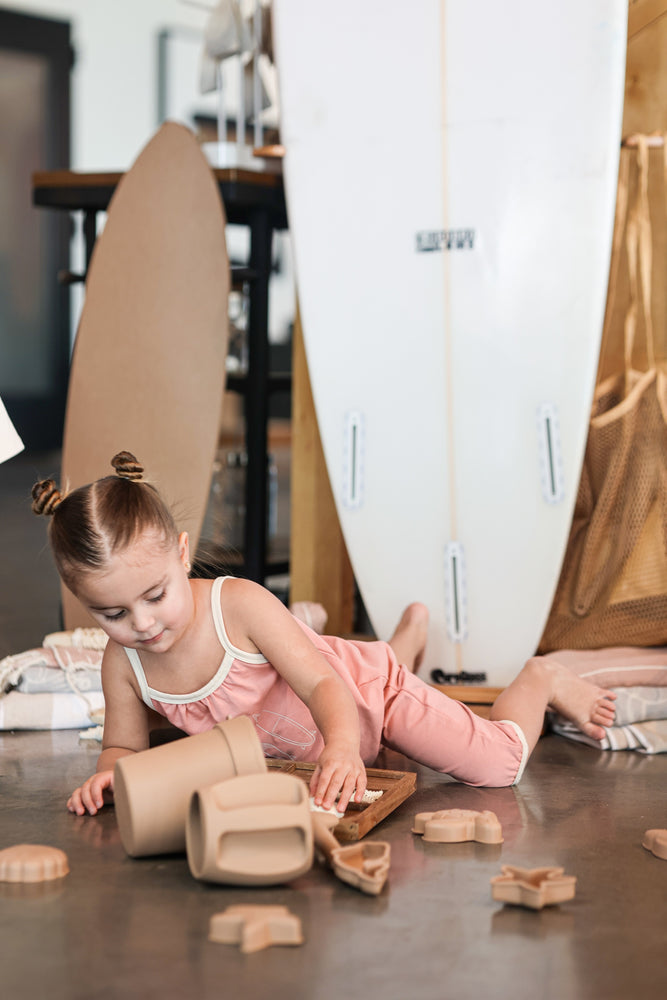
(433, 729)
(545, 684)
(409, 638)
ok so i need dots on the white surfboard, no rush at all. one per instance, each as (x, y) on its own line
(148, 369)
(450, 175)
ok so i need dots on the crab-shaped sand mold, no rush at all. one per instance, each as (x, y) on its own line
(532, 887)
(451, 826)
(655, 841)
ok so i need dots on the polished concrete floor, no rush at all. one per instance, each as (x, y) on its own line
(121, 928)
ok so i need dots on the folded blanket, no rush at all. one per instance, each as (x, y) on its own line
(639, 704)
(640, 722)
(50, 711)
(638, 676)
(617, 666)
(81, 637)
(52, 670)
(57, 688)
(645, 737)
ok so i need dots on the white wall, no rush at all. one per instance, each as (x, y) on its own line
(114, 81)
(114, 94)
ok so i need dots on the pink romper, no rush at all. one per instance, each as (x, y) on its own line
(396, 709)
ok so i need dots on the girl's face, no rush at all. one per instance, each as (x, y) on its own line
(142, 599)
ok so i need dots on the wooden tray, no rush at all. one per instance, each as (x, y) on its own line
(358, 820)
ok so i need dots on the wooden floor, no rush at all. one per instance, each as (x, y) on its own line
(121, 928)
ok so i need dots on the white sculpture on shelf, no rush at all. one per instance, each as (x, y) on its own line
(230, 33)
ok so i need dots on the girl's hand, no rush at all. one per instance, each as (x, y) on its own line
(93, 794)
(340, 769)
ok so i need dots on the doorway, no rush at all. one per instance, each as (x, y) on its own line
(35, 64)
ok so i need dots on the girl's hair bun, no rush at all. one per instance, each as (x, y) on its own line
(127, 467)
(46, 497)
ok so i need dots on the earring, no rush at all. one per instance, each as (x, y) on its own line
(188, 567)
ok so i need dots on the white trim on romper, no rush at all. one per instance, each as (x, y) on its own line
(525, 752)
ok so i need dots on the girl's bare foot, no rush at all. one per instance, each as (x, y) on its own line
(589, 707)
(543, 684)
(409, 638)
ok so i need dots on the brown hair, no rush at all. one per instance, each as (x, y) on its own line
(92, 522)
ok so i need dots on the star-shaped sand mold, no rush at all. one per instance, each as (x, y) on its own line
(255, 927)
(452, 826)
(532, 887)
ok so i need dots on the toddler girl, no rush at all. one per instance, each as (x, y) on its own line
(200, 651)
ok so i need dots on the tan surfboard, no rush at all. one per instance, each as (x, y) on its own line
(148, 368)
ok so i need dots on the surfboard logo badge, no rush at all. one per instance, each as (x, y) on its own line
(438, 240)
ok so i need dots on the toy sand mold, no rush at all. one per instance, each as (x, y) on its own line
(365, 866)
(259, 830)
(250, 830)
(148, 367)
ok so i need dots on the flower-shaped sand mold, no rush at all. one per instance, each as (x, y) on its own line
(655, 841)
(532, 887)
(451, 826)
(32, 863)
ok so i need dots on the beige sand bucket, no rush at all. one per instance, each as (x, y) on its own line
(152, 789)
(253, 830)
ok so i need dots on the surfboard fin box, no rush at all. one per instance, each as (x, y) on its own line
(551, 462)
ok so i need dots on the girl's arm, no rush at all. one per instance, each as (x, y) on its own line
(340, 768)
(255, 619)
(125, 731)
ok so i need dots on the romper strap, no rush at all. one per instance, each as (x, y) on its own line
(218, 621)
(135, 663)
